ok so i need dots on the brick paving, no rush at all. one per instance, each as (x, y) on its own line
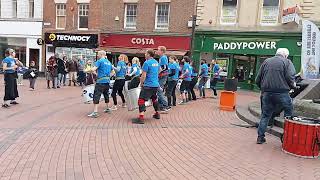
(48, 136)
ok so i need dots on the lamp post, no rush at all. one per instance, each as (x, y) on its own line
(194, 21)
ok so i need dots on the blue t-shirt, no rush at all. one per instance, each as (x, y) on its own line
(204, 70)
(151, 67)
(138, 72)
(186, 67)
(216, 69)
(163, 61)
(174, 66)
(193, 72)
(10, 63)
(121, 66)
(104, 69)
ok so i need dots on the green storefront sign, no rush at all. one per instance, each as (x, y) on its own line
(245, 51)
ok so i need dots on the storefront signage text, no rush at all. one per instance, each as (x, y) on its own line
(290, 15)
(142, 41)
(73, 38)
(244, 45)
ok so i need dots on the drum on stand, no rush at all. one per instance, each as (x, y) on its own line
(301, 137)
(132, 97)
(88, 91)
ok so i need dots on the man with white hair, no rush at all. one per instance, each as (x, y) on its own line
(103, 68)
(275, 79)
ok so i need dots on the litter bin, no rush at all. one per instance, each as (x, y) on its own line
(231, 84)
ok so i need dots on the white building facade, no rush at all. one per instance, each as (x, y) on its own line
(21, 29)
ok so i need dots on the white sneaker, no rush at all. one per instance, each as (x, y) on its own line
(114, 108)
(124, 105)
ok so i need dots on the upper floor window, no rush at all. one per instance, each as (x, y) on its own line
(14, 8)
(162, 16)
(31, 8)
(270, 12)
(229, 12)
(83, 16)
(130, 20)
(61, 16)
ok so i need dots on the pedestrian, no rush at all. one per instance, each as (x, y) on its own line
(81, 73)
(52, 72)
(173, 78)
(194, 80)
(62, 70)
(72, 66)
(203, 78)
(10, 65)
(20, 72)
(275, 78)
(186, 76)
(119, 82)
(163, 78)
(103, 67)
(32, 74)
(135, 73)
(90, 75)
(149, 86)
(215, 69)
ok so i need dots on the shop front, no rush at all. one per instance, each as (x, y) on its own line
(135, 45)
(241, 54)
(71, 45)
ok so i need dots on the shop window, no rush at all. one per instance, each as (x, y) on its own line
(130, 20)
(229, 12)
(14, 8)
(31, 8)
(83, 16)
(162, 16)
(61, 18)
(270, 12)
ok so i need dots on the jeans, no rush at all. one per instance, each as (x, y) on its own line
(161, 97)
(32, 82)
(213, 84)
(171, 93)
(270, 103)
(201, 85)
(62, 78)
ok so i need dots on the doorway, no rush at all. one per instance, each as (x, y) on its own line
(34, 56)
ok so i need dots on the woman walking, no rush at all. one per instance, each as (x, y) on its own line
(33, 74)
(10, 65)
(52, 72)
(119, 82)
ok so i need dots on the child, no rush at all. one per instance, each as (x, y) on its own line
(32, 74)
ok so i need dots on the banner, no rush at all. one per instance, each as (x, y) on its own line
(290, 15)
(270, 15)
(310, 56)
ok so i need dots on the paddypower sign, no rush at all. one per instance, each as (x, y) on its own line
(245, 45)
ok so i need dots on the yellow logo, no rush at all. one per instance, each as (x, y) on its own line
(52, 37)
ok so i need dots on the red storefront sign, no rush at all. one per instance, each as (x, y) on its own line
(145, 41)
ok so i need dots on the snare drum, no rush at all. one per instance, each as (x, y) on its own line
(301, 138)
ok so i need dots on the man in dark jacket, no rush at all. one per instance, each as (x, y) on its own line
(72, 69)
(275, 79)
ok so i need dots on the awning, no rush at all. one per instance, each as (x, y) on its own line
(139, 51)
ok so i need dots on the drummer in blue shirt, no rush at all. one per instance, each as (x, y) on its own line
(186, 76)
(103, 67)
(149, 86)
(194, 80)
(204, 75)
(118, 85)
(172, 80)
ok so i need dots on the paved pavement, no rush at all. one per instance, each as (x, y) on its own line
(48, 136)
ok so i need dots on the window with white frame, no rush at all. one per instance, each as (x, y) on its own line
(229, 12)
(83, 21)
(162, 15)
(31, 8)
(61, 16)
(130, 20)
(270, 12)
(14, 8)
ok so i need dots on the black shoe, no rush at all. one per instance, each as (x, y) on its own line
(138, 121)
(156, 116)
(58, 87)
(5, 106)
(14, 102)
(261, 140)
(48, 87)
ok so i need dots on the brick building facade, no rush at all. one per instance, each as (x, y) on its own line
(122, 26)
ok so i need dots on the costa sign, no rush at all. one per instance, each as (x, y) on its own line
(144, 41)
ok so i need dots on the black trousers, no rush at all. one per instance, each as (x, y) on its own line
(171, 93)
(11, 90)
(191, 93)
(118, 88)
(213, 84)
(99, 89)
(134, 83)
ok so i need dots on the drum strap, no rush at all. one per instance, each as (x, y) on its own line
(316, 141)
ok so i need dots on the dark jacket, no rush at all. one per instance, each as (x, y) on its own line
(276, 74)
(72, 66)
(61, 66)
(33, 69)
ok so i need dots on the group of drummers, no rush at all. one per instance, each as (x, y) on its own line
(158, 81)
